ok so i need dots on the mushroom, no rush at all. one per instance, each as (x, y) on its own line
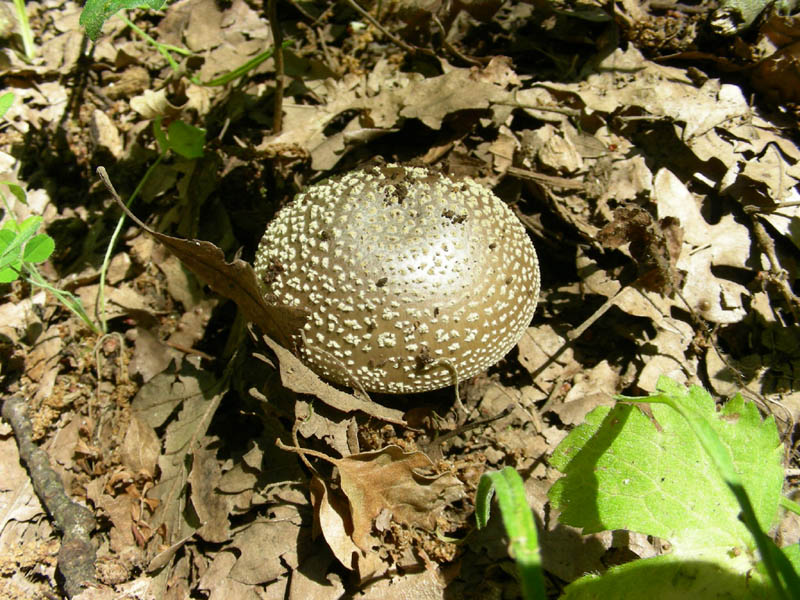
(410, 277)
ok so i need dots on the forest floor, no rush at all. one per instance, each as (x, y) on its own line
(653, 161)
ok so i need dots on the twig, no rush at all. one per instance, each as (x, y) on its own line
(439, 440)
(277, 35)
(453, 50)
(75, 522)
(407, 47)
(578, 331)
(700, 9)
(777, 274)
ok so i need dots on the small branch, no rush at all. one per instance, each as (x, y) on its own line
(75, 522)
(277, 40)
(407, 47)
(777, 274)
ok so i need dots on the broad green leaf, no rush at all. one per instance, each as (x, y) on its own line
(7, 237)
(186, 140)
(626, 471)
(665, 578)
(12, 242)
(96, 12)
(39, 248)
(9, 274)
(6, 100)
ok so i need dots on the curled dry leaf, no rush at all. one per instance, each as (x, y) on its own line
(402, 486)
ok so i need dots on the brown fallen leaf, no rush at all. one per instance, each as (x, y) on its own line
(235, 280)
(404, 483)
(332, 519)
(387, 484)
(299, 378)
(140, 447)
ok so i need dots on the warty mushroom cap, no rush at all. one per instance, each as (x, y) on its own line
(409, 276)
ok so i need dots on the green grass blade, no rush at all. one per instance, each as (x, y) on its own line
(519, 525)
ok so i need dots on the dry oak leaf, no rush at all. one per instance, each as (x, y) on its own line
(403, 483)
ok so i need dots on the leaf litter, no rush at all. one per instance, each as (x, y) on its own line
(642, 184)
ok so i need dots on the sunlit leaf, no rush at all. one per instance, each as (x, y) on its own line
(39, 248)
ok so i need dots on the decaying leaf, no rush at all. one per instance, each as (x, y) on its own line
(401, 487)
(198, 393)
(404, 483)
(655, 246)
(140, 447)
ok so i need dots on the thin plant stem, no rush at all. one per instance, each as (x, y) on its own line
(68, 299)
(163, 49)
(100, 305)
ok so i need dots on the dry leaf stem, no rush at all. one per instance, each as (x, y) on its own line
(75, 522)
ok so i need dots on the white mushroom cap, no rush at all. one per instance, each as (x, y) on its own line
(409, 277)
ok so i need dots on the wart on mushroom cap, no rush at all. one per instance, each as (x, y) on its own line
(409, 277)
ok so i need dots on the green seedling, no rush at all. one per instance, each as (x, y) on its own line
(22, 247)
(20, 244)
(519, 524)
(96, 12)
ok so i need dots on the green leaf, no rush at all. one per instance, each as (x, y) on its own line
(13, 241)
(18, 192)
(10, 262)
(6, 100)
(7, 237)
(242, 69)
(39, 248)
(96, 12)
(186, 140)
(9, 274)
(626, 471)
(161, 137)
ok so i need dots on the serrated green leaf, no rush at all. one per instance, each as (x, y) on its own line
(626, 471)
(96, 12)
(664, 578)
(39, 248)
(6, 100)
